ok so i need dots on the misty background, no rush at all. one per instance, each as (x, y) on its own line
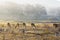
(29, 12)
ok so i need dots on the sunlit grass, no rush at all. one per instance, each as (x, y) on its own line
(42, 31)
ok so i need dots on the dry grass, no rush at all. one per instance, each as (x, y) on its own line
(15, 32)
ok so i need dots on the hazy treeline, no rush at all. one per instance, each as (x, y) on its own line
(24, 12)
(12, 11)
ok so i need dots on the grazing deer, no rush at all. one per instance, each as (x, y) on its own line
(8, 24)
(8, 28)
(33, 25)
(17, 25)
(24, 28)
(24, 25)
(57, 29)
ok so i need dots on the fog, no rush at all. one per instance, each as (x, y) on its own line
(26, 12)
(12, 11)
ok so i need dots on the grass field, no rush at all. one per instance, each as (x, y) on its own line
(27, 31)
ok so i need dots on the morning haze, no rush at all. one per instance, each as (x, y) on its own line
(29, 10)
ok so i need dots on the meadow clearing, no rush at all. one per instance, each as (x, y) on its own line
(29, 31)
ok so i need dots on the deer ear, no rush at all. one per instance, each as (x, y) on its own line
(24, 24)
(32, 24)
(56, 25)
(8, 24)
